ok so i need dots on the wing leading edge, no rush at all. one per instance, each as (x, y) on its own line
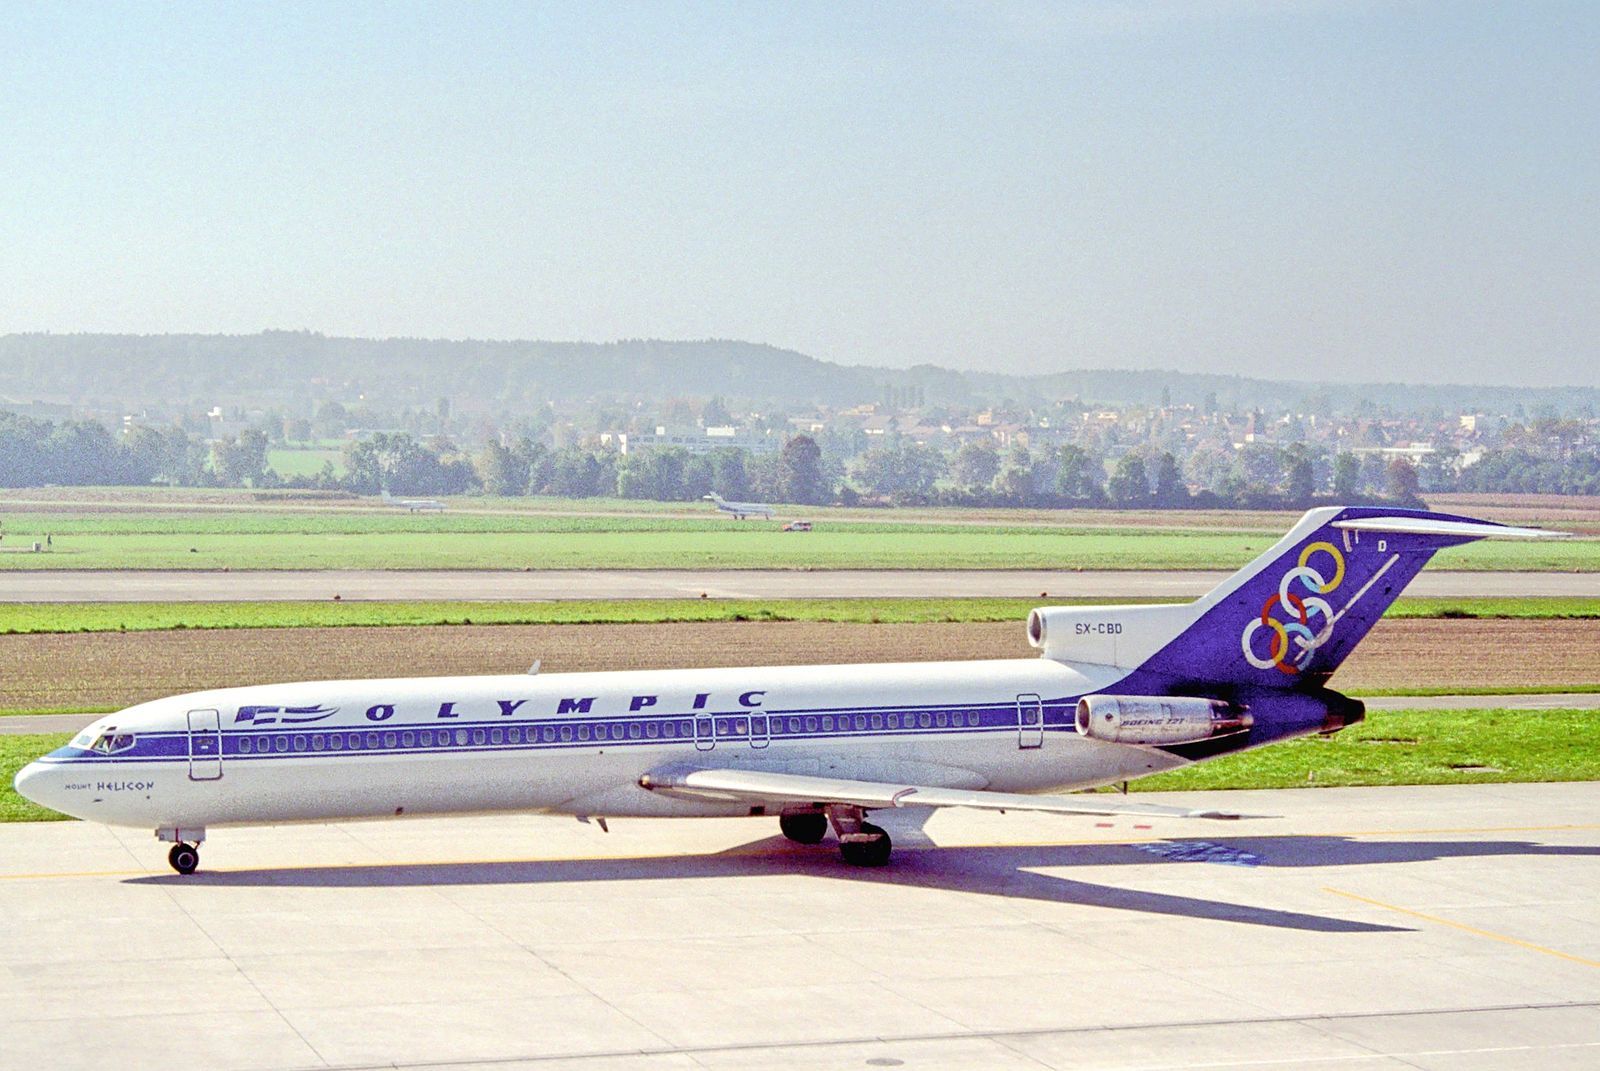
(765, 787)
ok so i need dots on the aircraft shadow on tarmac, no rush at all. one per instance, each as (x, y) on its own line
(991, 871)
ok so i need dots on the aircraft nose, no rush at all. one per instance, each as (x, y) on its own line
(42, 783)
(32, 783)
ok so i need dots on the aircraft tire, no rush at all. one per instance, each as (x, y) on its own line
(185, 858)
(873, 852)
(804, 828)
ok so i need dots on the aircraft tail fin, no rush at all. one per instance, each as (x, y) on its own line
(1286, 620)
(1295, 613)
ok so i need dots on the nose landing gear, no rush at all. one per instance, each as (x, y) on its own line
(185, 858)
(185, 853)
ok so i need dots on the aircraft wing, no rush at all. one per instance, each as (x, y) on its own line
(762, 786)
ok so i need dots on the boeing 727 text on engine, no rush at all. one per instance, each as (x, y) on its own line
(1119, 692)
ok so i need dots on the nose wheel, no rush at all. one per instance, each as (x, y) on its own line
(185, 858)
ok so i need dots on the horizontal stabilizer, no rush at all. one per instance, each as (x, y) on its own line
(766, 787)
(1436, 527)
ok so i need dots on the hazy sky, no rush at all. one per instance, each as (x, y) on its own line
(1288, 190)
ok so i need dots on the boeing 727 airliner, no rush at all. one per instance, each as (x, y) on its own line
(1119, 692)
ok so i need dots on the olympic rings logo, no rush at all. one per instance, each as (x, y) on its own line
(1298, 632)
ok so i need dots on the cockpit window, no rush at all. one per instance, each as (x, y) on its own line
(104, 742)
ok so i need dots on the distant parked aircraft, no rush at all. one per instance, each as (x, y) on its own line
(741, 510)
(1119, 692)
(412, 504)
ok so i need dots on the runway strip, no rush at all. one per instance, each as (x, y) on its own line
(991, 942)
(165, 586)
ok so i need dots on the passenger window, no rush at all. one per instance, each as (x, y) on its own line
(811, 724)
(669, 729)
(408, 739)
(861, 722)
(318, 742)
(496, 736)
(299, 742)
(635, 731)
(972, 717)
(280, 743)
(425, 738)
(336, 742)
(478, 736)
(583, 732)
(894, 721)
(942, 720)
(652, 730)
(461, 736)
(372, 740)
(389, 740)
(827, 723)
(355, 741)
(877, 721)
(722, 726)
(740, 727)
(244, 745)
(549, 734)
(618, 729)
(924, 720)
(566, 733)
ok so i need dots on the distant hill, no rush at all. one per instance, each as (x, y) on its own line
(285, 367)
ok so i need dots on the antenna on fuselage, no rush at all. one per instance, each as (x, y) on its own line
(533, 670)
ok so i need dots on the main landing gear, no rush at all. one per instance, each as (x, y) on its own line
(860, 842)
(185, 853)
(804, 828)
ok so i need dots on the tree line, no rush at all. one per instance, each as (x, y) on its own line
(894, 471)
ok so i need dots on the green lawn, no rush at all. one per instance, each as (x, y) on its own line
(1406, 747)
(150, 616)
(350, 539)
(1413, 747)
(289, 461)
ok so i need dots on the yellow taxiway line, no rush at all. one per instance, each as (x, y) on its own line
(1463, 927)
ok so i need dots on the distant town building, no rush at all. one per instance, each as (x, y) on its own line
(694, 440)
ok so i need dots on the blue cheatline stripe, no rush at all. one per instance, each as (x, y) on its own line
(173, 746)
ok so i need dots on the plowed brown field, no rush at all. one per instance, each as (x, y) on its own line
(109, 669)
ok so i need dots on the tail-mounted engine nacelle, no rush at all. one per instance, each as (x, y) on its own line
(1158, 720)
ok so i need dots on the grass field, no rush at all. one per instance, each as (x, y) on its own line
(27, 618)
(1405, 747)
(348, 539)
(116, 668)
(288, 462)
(1413, 747)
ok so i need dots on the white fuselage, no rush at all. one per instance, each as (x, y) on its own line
(578, 743)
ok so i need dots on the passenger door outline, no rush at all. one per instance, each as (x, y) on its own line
(1030, 720)
(205, 745)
